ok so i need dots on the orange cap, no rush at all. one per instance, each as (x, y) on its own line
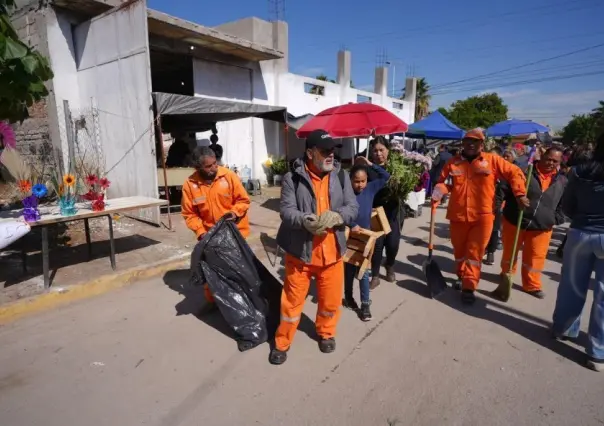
(475, 134)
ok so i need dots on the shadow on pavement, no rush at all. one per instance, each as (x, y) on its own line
(528, 326)
(194, 300)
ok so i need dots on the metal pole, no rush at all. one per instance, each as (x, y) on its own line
(163, 163)
(393, 79)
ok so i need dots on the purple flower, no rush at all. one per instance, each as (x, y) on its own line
(30, 202)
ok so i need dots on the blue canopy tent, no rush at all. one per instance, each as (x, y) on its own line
(435, 126)
(515, 127)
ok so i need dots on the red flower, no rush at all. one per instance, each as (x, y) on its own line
(104, 183)
(98, 205)
(90, 196)
(91, 180)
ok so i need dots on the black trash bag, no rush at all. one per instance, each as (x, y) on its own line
(240, 283)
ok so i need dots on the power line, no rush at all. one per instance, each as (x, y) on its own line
(516, 83)
(551, 9)
(528, 64)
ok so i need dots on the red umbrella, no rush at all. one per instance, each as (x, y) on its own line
(354, 121)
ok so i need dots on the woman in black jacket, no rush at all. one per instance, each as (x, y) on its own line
(583, 203)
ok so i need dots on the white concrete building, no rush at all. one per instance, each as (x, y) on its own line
(107, 62)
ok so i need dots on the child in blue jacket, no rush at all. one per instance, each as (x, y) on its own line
(365, 192)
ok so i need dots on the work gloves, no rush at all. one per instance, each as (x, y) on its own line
(439, 191)
(319, 225)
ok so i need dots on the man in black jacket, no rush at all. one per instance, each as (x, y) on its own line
(545, 211)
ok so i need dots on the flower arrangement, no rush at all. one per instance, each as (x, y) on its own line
(279, 166)
(404, 175)
(27, 184)
(415, 157)
(66, 189)
(96, 191)
(7, 136)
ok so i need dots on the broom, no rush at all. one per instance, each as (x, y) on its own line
(504, 289)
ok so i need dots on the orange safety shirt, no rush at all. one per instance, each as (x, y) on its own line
(473, 185)
(324, 248)
(205, 202)
(545, 178)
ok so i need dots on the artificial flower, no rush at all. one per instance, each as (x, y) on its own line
(39, 190)
(69, 180)
(91, 180)
(24, 186)
(61, 190)
(104, 182)
(7, 135)
(90, 195)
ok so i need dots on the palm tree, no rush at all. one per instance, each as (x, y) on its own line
(422, 98)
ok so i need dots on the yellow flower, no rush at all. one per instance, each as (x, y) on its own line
(61, 190)
(69, 180)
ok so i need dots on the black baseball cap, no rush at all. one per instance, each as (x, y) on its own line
(322, 140)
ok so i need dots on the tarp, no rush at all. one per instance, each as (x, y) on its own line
(435, 126)
(196, 114)
(297, 122)
(515, 127)
(246, 293)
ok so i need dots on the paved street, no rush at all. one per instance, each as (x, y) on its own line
(138, 356)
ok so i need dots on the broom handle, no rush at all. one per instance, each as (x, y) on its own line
(528, 182)
(432, 225)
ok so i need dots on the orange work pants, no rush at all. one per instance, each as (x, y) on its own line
(470, 240)
(330, 285)
(535, 245)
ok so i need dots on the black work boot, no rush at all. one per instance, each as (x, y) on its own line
(539, 294)
(365, 314)
(277, 357)
(457, 284)
(490, 259)
(468, 297)
(327, 346)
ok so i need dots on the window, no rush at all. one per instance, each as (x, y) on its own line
(314, 89)
(363, 99)
(397, 105)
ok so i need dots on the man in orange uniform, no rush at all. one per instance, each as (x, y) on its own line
(209, 194)
(474, 175)
(317, 201)
(546, 186)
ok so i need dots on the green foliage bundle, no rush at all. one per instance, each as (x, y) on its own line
(404, 176)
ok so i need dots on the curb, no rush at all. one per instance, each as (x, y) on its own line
(64, 295)
(60, 296)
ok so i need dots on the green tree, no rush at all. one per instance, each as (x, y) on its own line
(598, 114)
(477, 111)
(422, 99)
(23, 71)
(581, 128)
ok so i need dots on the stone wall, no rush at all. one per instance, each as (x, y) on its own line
(34, 135)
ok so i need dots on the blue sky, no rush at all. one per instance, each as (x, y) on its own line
(444, 41)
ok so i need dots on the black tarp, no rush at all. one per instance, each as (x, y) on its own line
(246, 293)
(196, 114)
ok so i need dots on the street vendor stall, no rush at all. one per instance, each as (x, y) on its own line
(181, 113)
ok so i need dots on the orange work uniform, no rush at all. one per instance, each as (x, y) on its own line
(534, 244)
(471, 205)
(326, 266)
(204, 203)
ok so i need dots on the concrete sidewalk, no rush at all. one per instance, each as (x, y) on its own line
(140, 356)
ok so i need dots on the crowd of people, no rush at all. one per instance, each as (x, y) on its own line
(486, 193)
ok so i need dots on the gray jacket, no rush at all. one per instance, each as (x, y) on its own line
(298, 200)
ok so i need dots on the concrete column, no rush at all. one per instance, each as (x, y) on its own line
(381, 82)
(344, 68)
(410, 94)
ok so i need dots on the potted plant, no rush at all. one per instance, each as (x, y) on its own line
(278, 169)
